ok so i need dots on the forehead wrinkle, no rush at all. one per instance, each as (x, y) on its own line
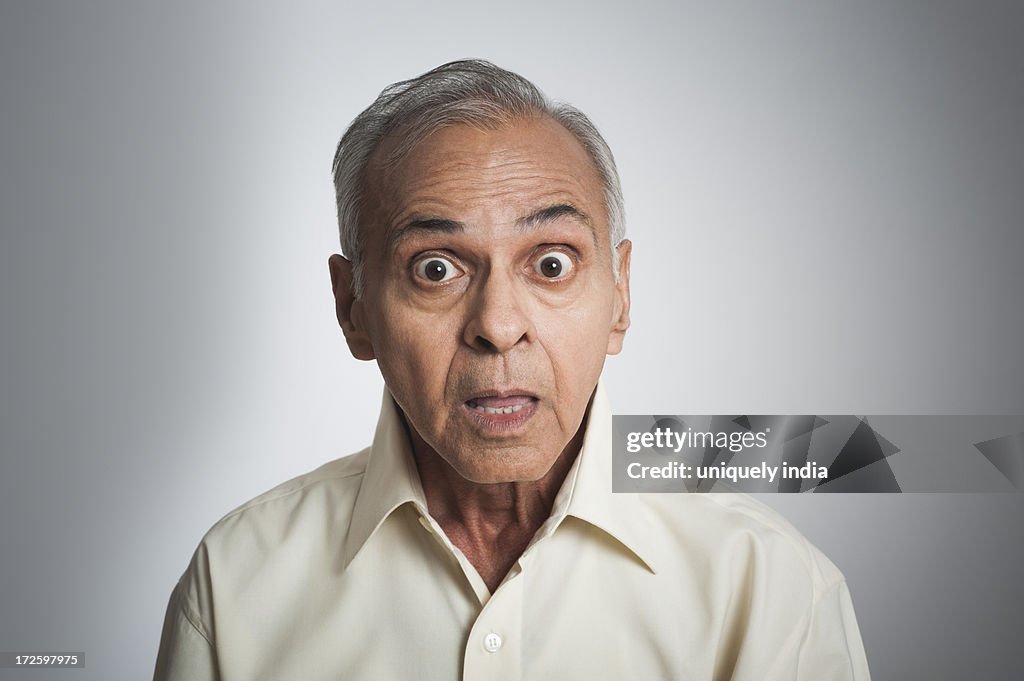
(442, 166)
(436, 208)
(532, 187)
(446, 185)
(434, 197)
(528, 218)
(470, 163)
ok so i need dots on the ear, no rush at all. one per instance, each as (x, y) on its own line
(620, 319)
(349, 308)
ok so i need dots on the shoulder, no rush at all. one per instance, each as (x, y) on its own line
(735, 532)
(322, 496)
(290, 520)
(270, 540)
(334, 477)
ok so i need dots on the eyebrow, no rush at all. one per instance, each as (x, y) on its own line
(532, 221)
(551, 213)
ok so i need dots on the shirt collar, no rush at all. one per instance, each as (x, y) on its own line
(587, 491)
(391, 480)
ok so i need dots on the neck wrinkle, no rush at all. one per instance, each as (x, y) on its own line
(486, 510)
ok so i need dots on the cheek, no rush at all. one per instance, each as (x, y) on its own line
(584, 325)
(576, 340)
(414, 349)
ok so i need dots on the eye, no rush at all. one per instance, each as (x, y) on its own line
(553, 265)
(436, 269)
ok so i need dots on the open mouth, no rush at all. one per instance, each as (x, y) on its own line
(500, 405)
(502, 411)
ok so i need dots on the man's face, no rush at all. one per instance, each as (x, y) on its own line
(489, 300)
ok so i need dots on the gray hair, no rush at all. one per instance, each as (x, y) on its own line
(474, 92)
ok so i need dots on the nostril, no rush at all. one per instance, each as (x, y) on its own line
(486, 344)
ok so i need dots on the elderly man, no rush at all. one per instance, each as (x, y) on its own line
(487, 273)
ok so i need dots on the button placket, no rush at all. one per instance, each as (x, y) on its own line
(494, 645)
(453, 552)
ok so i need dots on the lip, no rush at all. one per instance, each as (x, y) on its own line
(501, 411)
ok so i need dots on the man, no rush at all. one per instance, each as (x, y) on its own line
(487, 273)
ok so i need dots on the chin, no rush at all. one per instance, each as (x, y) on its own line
(485, 475)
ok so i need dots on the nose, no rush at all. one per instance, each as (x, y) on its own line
(498, 317)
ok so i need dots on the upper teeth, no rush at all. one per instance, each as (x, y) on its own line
(498, 410)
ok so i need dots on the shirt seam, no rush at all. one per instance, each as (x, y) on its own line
(184, 610)
(255, 503)
(816, 598)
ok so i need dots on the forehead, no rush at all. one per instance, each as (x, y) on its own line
(470, 174)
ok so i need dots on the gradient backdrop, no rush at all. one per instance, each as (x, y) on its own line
(826, 205)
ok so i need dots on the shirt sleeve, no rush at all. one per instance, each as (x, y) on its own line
(186, 653)
(832, 648)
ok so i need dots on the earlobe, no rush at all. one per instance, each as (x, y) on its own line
(620, 318)
(349, 309)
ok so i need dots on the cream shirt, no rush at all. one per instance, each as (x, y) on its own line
(342, 574)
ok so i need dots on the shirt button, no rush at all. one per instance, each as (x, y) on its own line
(492, 642)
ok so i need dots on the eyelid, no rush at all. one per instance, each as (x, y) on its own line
(568, 250)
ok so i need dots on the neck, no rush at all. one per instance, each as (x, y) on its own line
(492, 523)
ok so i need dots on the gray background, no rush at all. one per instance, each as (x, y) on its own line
(826, 207)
